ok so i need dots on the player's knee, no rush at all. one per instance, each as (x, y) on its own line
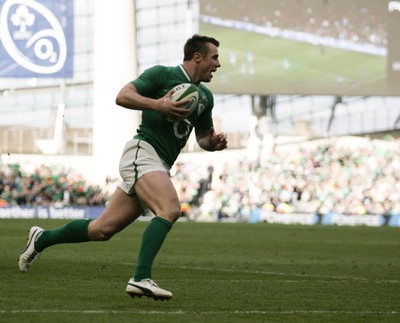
(99, 234)
(173, 213)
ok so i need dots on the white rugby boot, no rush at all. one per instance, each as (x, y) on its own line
(147, 287)
(29, 255)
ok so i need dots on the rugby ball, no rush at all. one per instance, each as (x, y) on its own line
(185, 91)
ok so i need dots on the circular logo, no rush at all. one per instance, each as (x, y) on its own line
(33, 36)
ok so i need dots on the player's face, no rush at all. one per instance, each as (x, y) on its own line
(210, 63)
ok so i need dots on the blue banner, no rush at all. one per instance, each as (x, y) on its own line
(372, 220)
(36, 38)
(93, 212)
(26, 212)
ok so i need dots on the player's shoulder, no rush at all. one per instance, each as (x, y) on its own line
(161, 74)
(158, 69)
(170, 72)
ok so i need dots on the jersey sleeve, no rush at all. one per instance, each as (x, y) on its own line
(150, 81)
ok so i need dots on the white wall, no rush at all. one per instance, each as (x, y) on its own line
(114, 66)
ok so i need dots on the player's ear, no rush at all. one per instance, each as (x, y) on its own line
(197, 57)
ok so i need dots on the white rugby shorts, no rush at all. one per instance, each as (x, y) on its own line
(138, 158)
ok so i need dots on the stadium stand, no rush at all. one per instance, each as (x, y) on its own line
(343, 175)
(339, 175)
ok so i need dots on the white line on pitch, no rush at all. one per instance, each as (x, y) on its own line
(181, 312)
(270, 273)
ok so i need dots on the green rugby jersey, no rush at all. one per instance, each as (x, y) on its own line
(168, 138)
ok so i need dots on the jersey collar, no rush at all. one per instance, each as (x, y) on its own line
(185, 73)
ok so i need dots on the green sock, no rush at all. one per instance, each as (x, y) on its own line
(74, 231)
(152, 240)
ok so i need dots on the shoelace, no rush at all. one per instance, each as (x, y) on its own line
(150, 281)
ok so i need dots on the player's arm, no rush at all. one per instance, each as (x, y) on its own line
(129, 98)
(210, 141)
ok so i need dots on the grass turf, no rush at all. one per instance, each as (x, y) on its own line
(217, 273)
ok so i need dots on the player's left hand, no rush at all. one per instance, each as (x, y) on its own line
(217, 141)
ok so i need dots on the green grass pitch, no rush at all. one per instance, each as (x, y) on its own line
(282, 66)
(218, 272)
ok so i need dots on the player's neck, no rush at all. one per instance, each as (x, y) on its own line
(191, 70)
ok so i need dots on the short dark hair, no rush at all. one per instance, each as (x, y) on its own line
(197, 44)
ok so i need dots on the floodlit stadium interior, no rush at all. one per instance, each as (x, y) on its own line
(70, 129)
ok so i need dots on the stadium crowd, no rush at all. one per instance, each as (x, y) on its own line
(47, 186)
(329, 177)
(315, 178)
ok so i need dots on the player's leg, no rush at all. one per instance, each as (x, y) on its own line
(156, 190)
(121, 210)
(147, 175)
